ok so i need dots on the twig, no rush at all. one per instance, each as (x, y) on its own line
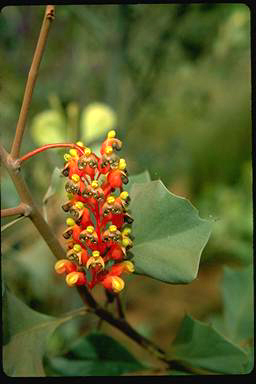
(46, 147)
(26, 198)
(121, 324)
(32, 76)
(19, 210)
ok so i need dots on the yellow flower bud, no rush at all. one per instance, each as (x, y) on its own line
(80, 144)
(79, 205)
(128, 266)
(108, 150)
(77, 248)
(70, 222)
(122, 164)
(95, 184)
(111, 134)
(67, 157)
(110, 200)
(112, 228)
(126, 242)
(124, 195)
(90, 229)
(60, 266)
(87, 152)
(117, 284)
(126, 231)
(75, 178)
(95, 254)
(72, 278)
(73, 152)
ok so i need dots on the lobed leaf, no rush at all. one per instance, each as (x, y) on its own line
(25, 336)
(202, 346)
(137, 178)
(169, 234)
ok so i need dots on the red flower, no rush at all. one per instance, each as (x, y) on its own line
(98, 230)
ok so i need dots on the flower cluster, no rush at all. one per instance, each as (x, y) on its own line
(98, 232)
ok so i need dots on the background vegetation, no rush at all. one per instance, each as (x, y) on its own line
(175, 82)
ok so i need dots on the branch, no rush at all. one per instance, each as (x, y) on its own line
(121, 324)
(26, 198)
(32, 76)
(126, 328)
(120, 308)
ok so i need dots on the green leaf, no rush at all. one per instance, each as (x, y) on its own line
(56, 181)
(179, 373)
(25, 335)
(237, 291)
(49, 127)
(202, 346)
(169, 234)
(95, 355)
(236, 319)
(138, 178)
(96, 120)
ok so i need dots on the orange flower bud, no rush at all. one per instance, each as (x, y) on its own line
(65, 266)
(75, 278)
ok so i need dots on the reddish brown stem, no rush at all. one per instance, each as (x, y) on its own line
(98, 225)
(49, 146)
(19, 210)
(32, 76)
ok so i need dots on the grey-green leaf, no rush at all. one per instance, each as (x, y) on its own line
(169, 234)
(137, 178)
(95, 355)
(201, 346)
(25, 334)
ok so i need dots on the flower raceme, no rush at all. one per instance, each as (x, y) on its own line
(98, 232)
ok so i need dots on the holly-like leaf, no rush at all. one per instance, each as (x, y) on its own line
(95, 355)
(138, 178)
(169, 234)
(201, 346)
(25, 335)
